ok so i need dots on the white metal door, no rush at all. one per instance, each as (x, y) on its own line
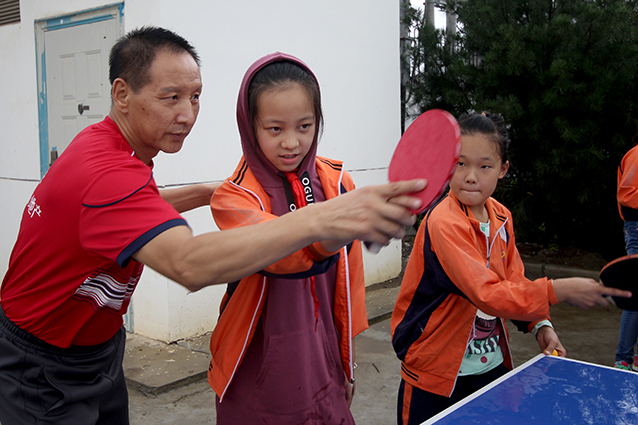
(78, 89)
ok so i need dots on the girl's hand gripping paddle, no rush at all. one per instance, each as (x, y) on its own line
(622, 273)
(429, 149)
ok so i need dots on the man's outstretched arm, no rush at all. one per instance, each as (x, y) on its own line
(374, 214)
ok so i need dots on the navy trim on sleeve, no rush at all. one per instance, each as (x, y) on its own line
(133, 247)
(319, 267)
(121, 199)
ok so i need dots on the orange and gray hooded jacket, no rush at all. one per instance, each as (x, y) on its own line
(453, 271)
(241, 201)
(627, 193)
(254, 194)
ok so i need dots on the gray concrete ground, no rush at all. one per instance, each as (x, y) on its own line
(168, 386)
(374, 402)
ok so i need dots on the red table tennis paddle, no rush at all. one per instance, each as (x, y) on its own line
(429, 149)
(622, 273)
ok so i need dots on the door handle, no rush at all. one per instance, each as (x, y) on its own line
(82, 107)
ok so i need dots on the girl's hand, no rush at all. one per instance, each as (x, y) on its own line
(350, 387)
(548, 341)
(189, 197)
(585, 293)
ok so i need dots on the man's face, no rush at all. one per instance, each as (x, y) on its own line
(162, 113)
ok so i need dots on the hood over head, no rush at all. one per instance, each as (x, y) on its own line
(267, 174)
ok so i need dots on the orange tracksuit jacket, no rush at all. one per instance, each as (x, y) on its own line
(451, 272)
(627, 194)
(241, 201)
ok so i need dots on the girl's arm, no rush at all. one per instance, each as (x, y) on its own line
(522, 299)
(515, 270)
(466, 267)
(189, 197)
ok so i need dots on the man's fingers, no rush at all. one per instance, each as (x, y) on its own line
(392, 214)
(406, 201)
(384, 233)
(374, 214)
(393, 221)
(392, 190)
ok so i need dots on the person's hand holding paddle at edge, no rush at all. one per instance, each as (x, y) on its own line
(580, 292)
(585, 293)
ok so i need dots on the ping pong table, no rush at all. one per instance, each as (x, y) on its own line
(550, 390)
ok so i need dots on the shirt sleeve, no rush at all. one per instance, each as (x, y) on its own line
(465, 266)
(627, 193)
(121, 211)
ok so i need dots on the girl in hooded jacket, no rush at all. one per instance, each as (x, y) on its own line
(283, 351)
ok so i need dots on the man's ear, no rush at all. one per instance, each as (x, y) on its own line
(120, 94)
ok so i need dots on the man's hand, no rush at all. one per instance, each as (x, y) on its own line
(374, 214)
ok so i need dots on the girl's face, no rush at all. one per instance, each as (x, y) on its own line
(477, 173)
(285, 125)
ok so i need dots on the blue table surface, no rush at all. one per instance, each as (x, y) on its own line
(551, 390)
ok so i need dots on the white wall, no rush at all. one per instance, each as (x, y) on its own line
(352, 46)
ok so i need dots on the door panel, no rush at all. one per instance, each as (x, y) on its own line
(78, 89)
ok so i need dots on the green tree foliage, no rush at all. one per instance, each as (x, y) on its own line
(564, 74)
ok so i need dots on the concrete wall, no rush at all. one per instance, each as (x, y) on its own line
(352, 47)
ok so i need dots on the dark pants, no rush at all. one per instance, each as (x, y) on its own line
(416, 406)
(44, 384)
(628, 334)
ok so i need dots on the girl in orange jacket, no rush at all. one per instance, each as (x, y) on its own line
(464, 278)
(283, 347)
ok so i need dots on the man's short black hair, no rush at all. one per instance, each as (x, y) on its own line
(132, 55)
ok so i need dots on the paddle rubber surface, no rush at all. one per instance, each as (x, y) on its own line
(429, 149)
(622, 273)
